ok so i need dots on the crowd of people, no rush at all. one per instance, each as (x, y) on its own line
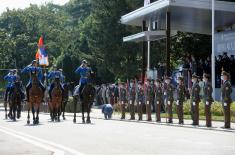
(160, 95)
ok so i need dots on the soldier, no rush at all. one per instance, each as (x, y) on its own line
(208, 99)
(169, 92)
(181, 93)
(149, 99)
(122, 100)
(226, 92)
(158, 100)
(195, 99)
(140, 100)
(132, 100)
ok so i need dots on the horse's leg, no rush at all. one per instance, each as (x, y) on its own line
(75, 109)
(14, 111)
(88, 113)
(19, 109)
(33, 111)
(28, 118)
(5, 105)
(37, 117)
(63, 109)
(83, 110)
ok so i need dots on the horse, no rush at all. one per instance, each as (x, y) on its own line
(56, 101)
(65, 98)
(87, 97)
(15, 101)
(36, 96)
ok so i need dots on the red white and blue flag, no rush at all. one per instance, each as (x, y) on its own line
(41, 53)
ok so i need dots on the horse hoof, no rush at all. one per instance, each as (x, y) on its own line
(28, 122)
(63, 118)
(58, 120)
(34, 122)
(74, 120)
(6, 117)
(88, 121)
(13, 119)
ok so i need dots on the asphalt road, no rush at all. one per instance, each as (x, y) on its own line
(106, 137)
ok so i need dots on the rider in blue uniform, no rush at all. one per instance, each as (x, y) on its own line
(10, 78)
(53, 75)
(33, 67)
(84, 71)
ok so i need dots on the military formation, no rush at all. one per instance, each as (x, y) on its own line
(161, 95)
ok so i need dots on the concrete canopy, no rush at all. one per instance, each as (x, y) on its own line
(186, 15)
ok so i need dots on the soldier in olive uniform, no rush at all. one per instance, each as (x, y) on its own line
(140, 100)
(226, 91)
(158, 100)
(123, 100)
(149, 99)
(195, 99)
(207, 98)
(132, 95)
(169, 92)
(181, 94)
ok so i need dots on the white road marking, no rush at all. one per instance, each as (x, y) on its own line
(50, 146)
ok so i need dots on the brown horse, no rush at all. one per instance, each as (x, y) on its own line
(67, 87)
(15, 101)
(36, 96)
(56, 101)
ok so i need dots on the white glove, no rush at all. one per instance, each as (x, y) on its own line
(130, 102)
(139, 103)
(177, 102)
(122, 102)
(207, 103)
(164, 93)
(147, 102)
(169, 102)
(194, 103)
(157, 102)
(225, 104)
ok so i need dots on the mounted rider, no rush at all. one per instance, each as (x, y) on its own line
(84, 71)
(28, 69)
(10, 78)
(55, 74)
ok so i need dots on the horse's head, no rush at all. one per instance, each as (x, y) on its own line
(34, 75)
(89, 92)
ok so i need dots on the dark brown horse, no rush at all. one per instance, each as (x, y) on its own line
(87, 98)
(56, 101)
(15, 101)
(36, 96)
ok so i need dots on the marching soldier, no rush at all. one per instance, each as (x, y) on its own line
(158, 100)
(208, 99)
(122, 100)
(149, 99)
(169, 92)
(132, 95)
(226, 91)
(140, 100)
(195, 99)
(181, 93)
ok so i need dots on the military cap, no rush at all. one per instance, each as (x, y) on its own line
(195, 76)
(180, 78)
(225, 73)
(84, 61)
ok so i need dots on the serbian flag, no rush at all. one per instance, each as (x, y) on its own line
(41, 53)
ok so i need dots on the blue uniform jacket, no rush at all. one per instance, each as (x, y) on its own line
(10, 79)
(84, 73)
(55, 74)
(28, 69)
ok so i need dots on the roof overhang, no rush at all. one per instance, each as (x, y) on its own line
(186, 15)
(148, 36)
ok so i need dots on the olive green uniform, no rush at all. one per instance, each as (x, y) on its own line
(123, 102)
(195, 99)
(140, 102)
(226, 91)
(158, 102)
(149, 100)
(132, 96)
(208, 99)
(169, 90)
(181, 93)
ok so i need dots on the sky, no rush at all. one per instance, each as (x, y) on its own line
(15, 4)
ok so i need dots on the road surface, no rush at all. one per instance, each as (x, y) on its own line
(106, 137)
